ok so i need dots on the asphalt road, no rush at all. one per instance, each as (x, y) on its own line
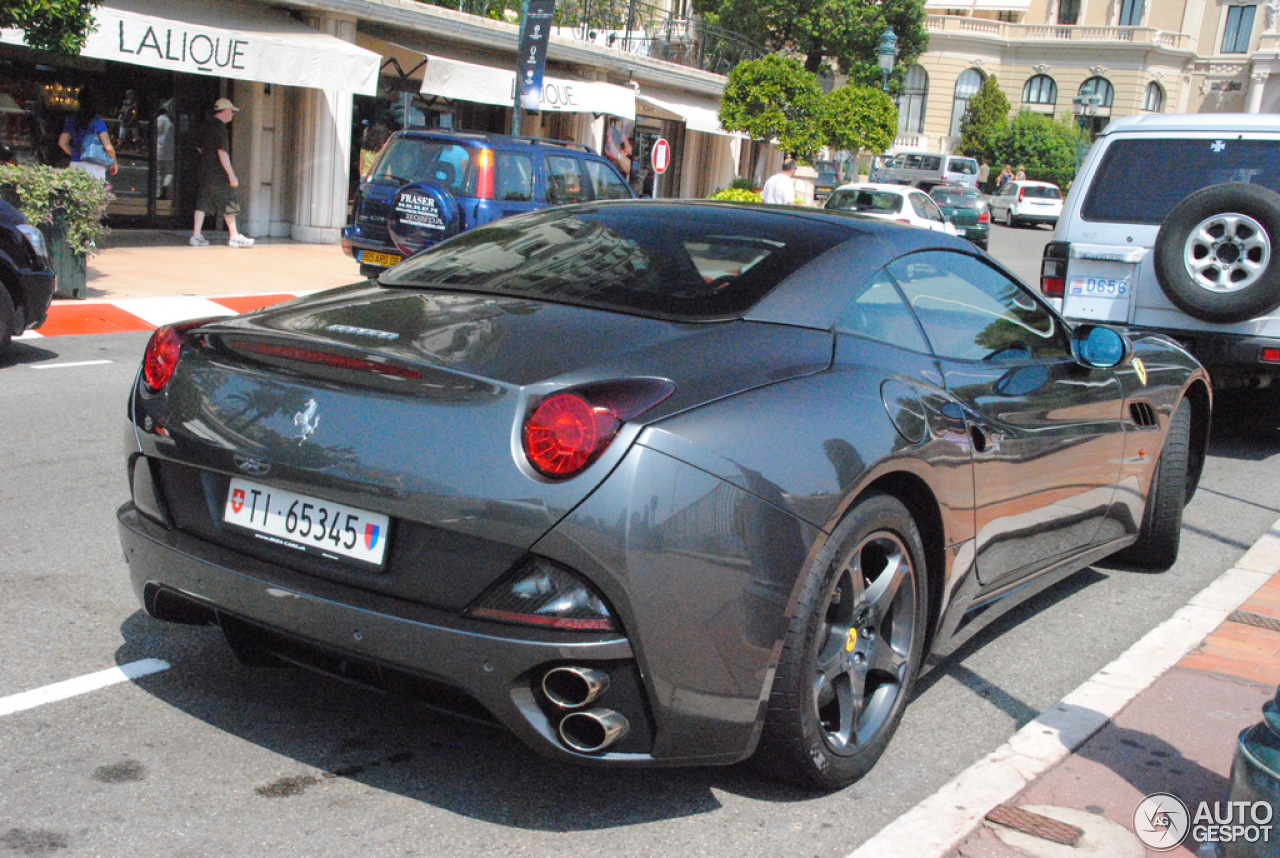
(211, 758)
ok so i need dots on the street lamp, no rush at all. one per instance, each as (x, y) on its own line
(885, 55)
(1085, 107)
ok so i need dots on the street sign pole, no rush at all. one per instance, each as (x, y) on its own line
(659, 160)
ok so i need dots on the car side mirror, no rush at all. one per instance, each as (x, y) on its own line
(1101, 347)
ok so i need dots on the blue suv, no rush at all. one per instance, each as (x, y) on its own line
(429, 185)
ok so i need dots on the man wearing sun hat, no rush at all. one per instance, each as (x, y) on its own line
(219, 187)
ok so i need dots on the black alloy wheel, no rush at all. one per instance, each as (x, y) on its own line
(1160, 533)
(852, 652)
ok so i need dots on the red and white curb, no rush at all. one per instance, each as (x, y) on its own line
(69, 318)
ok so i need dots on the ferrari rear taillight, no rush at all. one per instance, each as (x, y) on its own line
(1270, 354)
(160, 360)
(567, 431)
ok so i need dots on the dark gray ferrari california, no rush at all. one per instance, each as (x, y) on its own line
(653, 482)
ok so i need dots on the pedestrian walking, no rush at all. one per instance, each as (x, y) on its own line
(85, 139)
(219, 187)
(984, 173)
(1021, 175)
(1006, 175)
(781, 187)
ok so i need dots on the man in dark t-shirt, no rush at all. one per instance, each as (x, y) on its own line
(219, 187)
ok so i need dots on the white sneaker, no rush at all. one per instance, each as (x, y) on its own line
(240, 241)
(198, 241)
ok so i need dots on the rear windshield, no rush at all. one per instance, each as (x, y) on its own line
(1040, 192)
(958, 199)
(413, 159)
(1121, 192)
(696, 263)
(877, 202)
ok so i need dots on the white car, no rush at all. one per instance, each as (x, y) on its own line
(891, 202)
(1021, 201)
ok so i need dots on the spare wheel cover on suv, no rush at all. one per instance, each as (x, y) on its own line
(1217, 255)
(423, 213)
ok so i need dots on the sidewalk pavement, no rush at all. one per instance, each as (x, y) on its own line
(1162, 718)
(144, 279)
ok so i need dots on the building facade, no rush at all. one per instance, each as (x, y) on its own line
(311, 76)
(1092, 60)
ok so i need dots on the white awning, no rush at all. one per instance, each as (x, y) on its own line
(701, 116)
(225, 39)
(488, 85)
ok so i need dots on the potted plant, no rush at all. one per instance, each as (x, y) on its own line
(68, 206)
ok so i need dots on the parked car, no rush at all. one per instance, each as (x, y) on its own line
(527, 475)
(828, 178)
(890, 202)
(429, 185)
(1173, 225)
(1021, 202)
(27, 281)
(925, 169)
(966, 209)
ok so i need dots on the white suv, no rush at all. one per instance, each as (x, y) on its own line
(1173, 225)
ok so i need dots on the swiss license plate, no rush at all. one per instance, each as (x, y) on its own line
(306, 523)
(387, 259)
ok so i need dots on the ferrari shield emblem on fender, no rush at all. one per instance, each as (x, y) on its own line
(851, 640)
(1141, 369)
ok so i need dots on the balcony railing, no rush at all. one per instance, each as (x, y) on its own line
(634, 27)
(1056, 33)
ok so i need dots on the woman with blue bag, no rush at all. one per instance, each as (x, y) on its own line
(84, 137)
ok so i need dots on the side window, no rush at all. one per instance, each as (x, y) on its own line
(605, 184)
(513, 181)
(971, 311)
(877, 312)
(925, 207)
(564, 181)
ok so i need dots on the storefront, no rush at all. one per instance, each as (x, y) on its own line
(153, 69)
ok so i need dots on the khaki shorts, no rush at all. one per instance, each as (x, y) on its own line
(216, 200)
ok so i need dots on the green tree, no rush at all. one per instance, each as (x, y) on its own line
(52, 25)
(843, 32)
(1044, 147)
(859, 118)
(987, 114)
(774, 98)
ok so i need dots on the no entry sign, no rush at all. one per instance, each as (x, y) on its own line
(660, 157)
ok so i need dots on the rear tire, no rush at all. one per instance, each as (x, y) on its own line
(1161, 530)
(852, 650)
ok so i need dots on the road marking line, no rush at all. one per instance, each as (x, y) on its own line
(940, 822)
(71, 364)
(80, 685)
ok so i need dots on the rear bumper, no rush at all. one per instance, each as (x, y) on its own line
(484, 671)
(1233, 360)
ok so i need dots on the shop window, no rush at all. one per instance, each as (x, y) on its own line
(1238, 31)
(1040, 89)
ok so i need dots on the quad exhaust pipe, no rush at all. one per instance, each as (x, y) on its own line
(593, 730)
(574, 687)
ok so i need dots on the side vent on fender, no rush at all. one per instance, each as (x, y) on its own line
(1143, 414)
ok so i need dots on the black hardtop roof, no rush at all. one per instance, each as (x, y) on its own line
(493, 141)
